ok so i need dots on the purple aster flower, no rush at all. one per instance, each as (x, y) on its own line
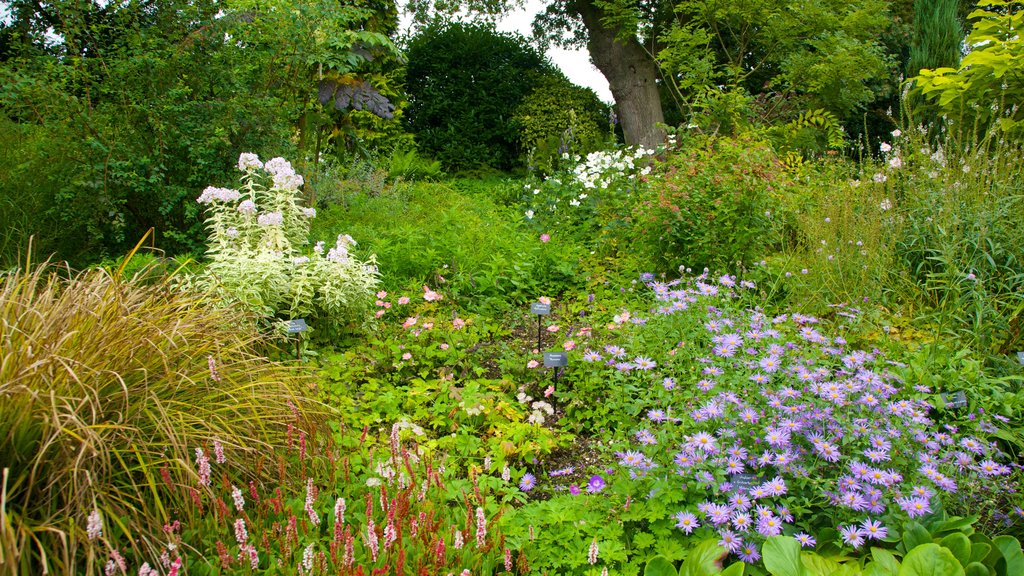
(748, 553)
(528, 482)
(874, 529)
(852, 535)
(686, 521)
(805, 540)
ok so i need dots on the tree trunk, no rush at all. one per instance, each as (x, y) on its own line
(631, 75)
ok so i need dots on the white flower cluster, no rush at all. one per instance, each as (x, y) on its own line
(605, 167)
(213, 194)
(256, 248)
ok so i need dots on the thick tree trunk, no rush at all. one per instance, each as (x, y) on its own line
(631, 75)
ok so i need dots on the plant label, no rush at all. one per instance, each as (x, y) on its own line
(556, 359)
(742, 482)
(955, 400)
(540, 309)
(1020, 357)
(297, 326)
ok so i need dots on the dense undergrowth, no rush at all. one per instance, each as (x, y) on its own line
(762, 355)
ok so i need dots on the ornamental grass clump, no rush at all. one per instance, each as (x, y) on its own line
(110, 389)
(258, 255)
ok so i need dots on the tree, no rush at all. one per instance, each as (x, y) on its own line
(465, 82)
(126, 110)
(827, 50)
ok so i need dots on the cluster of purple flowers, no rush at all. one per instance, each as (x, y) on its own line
(814, 419)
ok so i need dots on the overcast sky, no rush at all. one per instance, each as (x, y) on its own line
(574, 63)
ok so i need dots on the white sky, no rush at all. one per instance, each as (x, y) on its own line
(574, 63)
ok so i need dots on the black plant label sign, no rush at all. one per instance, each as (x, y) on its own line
(297, 326)
(556, 359)
(955, 400)
(742, 482)
(540, 309)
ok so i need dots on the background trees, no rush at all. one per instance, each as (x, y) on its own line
(115, 115)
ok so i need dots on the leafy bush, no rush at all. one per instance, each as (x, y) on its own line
(423, 233)
(985, 90)
(109, 389)
(709, 205)
(465, 82)
(257, 257)
(839, 443)
(559, 117)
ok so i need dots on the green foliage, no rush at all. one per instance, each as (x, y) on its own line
(136, 108)
(107, 390)
(465, 82)
(258, 257)
(983, 91)
(557, 118)
(423, 232)
(938, 36)
(826, 51)
(708, 205)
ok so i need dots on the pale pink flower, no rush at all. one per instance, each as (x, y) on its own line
(549, 391)
(213, 368)
(458, 542)
(236, 495)
(553, 328)
(481, 528)
(407, 356)
(218, 452)
(410, 321)
(458, 323)
(241, 534)
(203, 464)
(570, 344)
(431, 296)
(544, 300)
(592, 553)
(532, 364)
(310, 498)
(403, 300)
(94, 528)
(545, 238)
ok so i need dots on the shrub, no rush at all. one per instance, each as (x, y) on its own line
(559, 117)
(109, 389)
(464, 83)
(709, 205)
(257, 259)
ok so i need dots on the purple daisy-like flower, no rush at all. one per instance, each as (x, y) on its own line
(528, 482)
(805, 540)
(874, 529)
(852, 535)
(686, 521)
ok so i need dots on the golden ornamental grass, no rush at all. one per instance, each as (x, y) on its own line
(105, 382)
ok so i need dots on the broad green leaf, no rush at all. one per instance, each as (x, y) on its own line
(1012, 555)
(782, 556)
(817, 565)
(660, 566)
(960, 546)
(976, 569)
(884, 562)
(915, 535)
(980, 551)
(930, 560)
(704, 559)
(736, 569)
(847, 570)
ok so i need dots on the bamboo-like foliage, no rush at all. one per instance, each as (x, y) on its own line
(107, 387)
